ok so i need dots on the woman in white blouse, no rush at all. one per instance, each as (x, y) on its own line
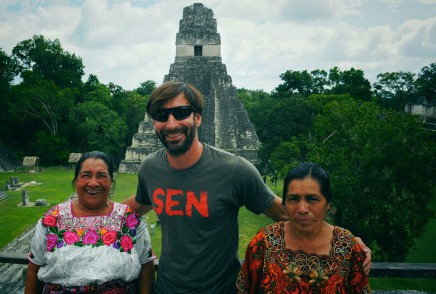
(91, 244)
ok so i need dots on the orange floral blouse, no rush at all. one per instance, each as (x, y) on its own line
(269, 267)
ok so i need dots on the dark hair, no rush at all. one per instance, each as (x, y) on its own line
(171, 89)
(313, 170)
(96, 155)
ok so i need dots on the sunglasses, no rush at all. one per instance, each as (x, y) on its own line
(179, 113)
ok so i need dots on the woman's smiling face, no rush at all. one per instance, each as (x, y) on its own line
(93, 183)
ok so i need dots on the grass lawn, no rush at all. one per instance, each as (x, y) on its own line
(55, 186)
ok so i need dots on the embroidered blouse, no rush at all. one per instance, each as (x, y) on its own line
(80, 251)
(270, 267)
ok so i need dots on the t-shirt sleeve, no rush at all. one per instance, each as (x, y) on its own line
(38, 245)
(141, 192)
(252, 191)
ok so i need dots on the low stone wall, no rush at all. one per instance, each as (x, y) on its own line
(12, 275)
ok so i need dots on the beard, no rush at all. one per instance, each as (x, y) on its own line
(178, 148)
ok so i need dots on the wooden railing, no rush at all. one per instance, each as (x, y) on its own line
(378, 269)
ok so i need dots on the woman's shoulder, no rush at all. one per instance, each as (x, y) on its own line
(273, 228)
(123, 209)
(343, 237)
(58, 208)
(342, 232)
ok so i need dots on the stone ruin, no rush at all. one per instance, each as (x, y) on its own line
(225, 122)
(31, 161)
(13, 183)
(73, 158)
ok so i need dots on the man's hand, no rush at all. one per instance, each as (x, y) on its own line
(141, 209)
(276, 211)
(367, 251)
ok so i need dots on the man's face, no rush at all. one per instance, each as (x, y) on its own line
(177, 135)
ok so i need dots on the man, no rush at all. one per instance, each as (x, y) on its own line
(196, 190)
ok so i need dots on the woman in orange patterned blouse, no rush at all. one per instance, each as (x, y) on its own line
(304, 254)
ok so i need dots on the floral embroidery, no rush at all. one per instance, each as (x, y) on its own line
(126, 243)
(52, 241)
(66, 230)
(132, 221)
(109, 238)
(270, 267)
(49, 221)
(91, 237)
(71, 237)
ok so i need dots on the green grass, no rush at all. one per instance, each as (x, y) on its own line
(56, 187)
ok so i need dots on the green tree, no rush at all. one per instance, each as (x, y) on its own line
(99, 93)
(285, 156)
(351, 82)
(276, 121)
(98, 128)
(301, 82)
(130, 106)
(41, 99)
(395, 89)
(8, 71)
(146, 88)
(48, 60)
(382, 168)
(426, 83)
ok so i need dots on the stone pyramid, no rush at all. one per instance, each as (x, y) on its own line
(225, 122)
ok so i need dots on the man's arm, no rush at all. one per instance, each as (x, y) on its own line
(276, 211)
(138, 207)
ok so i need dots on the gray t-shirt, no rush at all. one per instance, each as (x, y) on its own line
(198, 209)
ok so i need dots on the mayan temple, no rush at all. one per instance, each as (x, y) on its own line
(225, 123)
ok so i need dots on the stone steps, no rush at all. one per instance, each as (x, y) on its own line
(8, 162)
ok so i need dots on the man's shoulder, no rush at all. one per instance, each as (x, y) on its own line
(218, 153)
(220, 156)
(151, 157)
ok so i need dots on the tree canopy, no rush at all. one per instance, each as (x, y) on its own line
(47, 111)
(379, 157)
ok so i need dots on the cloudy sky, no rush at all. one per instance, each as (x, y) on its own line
(129, 42)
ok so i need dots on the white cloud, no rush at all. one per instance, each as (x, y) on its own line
(418, 38)
(128, 42)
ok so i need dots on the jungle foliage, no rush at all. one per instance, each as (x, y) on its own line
(46, 110)
(381, 160)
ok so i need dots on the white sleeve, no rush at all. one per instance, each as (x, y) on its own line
(143, 244)
(38, 246)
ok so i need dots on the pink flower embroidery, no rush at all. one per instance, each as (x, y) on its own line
(126, 243)
(49, 221)
(52, 240)
(132, 221)
(91, 237)
(109, 238)
(71, 237)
